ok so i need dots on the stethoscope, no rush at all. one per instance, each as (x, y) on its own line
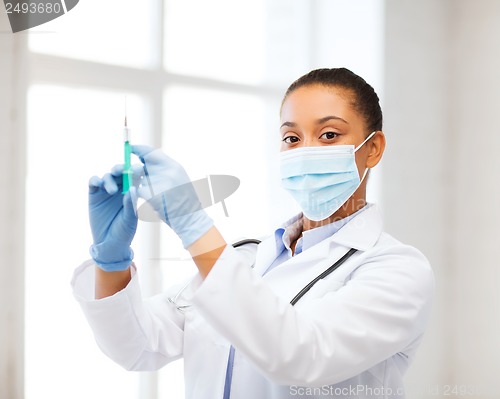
(295, 299)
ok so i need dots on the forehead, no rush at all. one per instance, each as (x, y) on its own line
(313, 102)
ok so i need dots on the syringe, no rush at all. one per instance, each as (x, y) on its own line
(127, 167)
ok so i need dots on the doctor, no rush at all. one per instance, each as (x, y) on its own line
(351, 334)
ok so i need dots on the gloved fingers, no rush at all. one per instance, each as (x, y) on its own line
(137, 172)
(146, 189)
(117, 170)
(153, 157)
(130, 204)
(110, 184)
(95, 183)
(141, 151)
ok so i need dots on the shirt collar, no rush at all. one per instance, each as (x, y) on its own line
(362, 232)
(286, 234)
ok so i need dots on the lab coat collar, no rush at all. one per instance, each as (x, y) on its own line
(361, 232)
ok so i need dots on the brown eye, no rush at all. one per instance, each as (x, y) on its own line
(329, 135)
(291, 139)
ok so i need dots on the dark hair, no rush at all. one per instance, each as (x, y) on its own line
(365, 100)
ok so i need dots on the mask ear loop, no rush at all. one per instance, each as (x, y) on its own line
(357, 148)
(364, 175)
(368, 138)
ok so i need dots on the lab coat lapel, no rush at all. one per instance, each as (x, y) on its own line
(266, 254)
(288, 278)
(291, 276)
(363, 231)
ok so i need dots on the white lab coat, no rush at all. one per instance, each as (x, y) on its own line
(352, 335)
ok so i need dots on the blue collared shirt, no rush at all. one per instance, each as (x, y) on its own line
(288, 233)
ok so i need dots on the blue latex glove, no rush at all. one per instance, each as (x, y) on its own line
(113, 221)
(167, 187)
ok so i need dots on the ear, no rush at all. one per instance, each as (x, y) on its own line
(376, 147)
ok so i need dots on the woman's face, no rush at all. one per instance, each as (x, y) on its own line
(316, 115)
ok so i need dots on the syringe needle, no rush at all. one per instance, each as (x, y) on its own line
(125, 110)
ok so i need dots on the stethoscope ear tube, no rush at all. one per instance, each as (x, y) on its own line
(328, 271)
(246, 241)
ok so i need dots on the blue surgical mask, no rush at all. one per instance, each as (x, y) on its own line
(322, 178)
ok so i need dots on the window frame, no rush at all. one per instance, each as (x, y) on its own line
(151, 84)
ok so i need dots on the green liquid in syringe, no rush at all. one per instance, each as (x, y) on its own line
(127, 168)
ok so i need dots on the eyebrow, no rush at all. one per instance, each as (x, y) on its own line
(330, 117)
(318, 122)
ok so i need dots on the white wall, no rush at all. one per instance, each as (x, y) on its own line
(12, 172)
(415, 171)
(441, 104)
(475, 140)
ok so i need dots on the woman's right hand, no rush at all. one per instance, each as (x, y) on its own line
(113, 221)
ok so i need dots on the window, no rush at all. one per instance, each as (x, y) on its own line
(205, 86)
(65, 146)
(110, 32)
(221, 39)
